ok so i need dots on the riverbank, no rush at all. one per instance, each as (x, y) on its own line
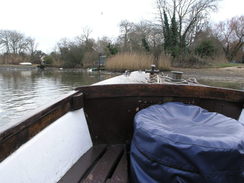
(214, 73)
(228, 77)
(18, 67)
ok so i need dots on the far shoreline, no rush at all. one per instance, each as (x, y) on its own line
(219, 73)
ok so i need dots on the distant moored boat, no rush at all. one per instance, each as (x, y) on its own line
(26, 63)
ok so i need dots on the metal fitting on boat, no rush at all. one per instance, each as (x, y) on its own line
(176, 76)
(153, 70)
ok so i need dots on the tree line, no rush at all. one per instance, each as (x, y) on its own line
(181, 30)
(16, 47)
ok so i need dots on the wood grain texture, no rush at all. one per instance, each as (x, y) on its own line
(120, 174)
(84, 164)
(105, 166)
(102, 163)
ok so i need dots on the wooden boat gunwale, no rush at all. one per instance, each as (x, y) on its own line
(15, 136)
(102, 101)
(154, 90)
(12, 138)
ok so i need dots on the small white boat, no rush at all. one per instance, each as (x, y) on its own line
(26, 63)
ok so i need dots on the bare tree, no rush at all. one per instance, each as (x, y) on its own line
(231, 35)
(190, 15)
(31, 45)
(125, 28)
(15, 42)
(85, 36)
(4, 40)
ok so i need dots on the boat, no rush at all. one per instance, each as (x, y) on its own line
(85, 136)
(26, 63)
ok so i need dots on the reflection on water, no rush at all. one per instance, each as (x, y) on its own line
(26, 90)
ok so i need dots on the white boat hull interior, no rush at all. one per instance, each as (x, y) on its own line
(49, 154)
(130, 78)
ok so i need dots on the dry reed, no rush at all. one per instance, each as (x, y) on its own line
(164, 62)
(134, 61)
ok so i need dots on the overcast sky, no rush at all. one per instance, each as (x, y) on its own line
(50, 20)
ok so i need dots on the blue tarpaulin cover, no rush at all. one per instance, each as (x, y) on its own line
(180, 143)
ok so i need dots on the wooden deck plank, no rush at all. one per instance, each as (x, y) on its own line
(120, 174)
(104, 167)
(83, 165)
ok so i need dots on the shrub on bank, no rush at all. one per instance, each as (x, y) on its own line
(195, 61)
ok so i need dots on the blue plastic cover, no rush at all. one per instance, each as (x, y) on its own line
(179, 143)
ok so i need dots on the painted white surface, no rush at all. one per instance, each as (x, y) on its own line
(142, 77)
(47, 156)
(25, 63)
(133, 77)
(241, 118)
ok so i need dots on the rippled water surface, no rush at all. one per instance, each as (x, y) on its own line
(22, 91)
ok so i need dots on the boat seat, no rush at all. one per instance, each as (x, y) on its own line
(102, 163)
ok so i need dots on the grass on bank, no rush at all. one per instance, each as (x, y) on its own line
(135, 61)
(222, 65)
(221, 62)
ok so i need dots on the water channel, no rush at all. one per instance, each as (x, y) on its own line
(22, 91)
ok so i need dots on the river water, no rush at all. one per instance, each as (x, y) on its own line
(22, 91)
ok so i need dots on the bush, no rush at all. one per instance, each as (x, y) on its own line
(48, 60)
(206, 48)
(72, 56)
(189, 60)
(90, 59)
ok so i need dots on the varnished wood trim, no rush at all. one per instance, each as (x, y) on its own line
(77, 101)
(105, 166)
(162, 90)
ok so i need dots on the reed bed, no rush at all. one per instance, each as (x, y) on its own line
(134, 61)
(164, 62)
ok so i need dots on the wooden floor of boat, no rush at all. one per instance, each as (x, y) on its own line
(102, 163)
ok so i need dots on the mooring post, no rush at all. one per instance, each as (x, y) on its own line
(153, 71)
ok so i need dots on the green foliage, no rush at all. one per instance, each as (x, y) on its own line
(229, 64)
(48, 60)
(167, 34)
(145, 44)
(72, 55)
(206, 48)
(174, 37)
(113, 50)
(171, 36)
